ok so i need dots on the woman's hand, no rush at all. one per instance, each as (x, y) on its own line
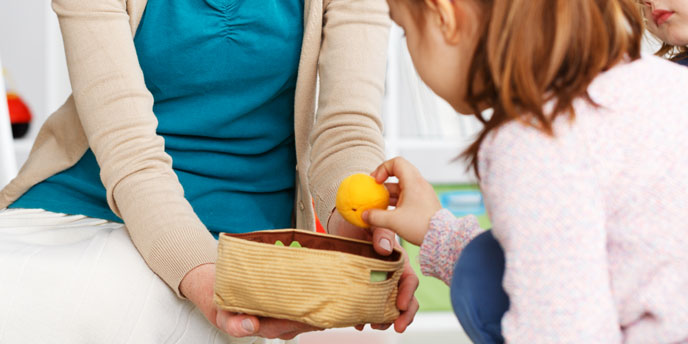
(198, 285)
(383, 241)
(414, 198)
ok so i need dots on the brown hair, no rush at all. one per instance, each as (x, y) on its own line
(673, 52)
(531, 52)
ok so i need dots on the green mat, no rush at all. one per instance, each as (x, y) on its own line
(433, 294)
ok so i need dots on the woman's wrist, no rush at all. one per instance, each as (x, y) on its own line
(197, 282)
(329, 218)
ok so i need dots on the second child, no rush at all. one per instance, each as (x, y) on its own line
(668, 21)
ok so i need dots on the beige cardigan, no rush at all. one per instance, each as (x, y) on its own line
(110, 111)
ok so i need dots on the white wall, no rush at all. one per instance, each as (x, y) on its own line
(33, 56)
(8, 164)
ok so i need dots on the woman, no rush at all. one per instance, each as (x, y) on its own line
(180, 155)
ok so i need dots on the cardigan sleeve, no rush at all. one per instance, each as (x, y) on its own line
(347, 134)
(547, 212)
(116, 112)
(442, 245)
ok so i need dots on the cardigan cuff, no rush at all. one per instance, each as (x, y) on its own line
(179, 251)
(443, 243)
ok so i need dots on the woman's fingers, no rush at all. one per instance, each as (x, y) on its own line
(383, 241)
(237, 325)
(380, 327)
(406, 301)
(337, 225)
(408, 283)
(283, 329)
(406, 317)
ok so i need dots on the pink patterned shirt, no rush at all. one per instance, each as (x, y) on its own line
(594, 222)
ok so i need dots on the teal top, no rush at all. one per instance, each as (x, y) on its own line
(223, 76)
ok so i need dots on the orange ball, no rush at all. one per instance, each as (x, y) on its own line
(358, 193)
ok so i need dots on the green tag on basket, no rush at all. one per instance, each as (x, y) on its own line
(378, 276)
(293, 243)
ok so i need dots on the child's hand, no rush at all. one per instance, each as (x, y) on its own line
(414, 198)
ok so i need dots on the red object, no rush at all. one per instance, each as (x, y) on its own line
(19, 112)
(20, 115)
(318, 226)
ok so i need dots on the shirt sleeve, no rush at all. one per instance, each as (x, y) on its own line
(446, 238)
(347, 134)
(547, 212)
(116, 112)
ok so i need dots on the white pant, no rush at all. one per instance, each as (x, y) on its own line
(74, 279)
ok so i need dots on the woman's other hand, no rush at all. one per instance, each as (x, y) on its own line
(198, 286)
(383, 242)
(414, 198)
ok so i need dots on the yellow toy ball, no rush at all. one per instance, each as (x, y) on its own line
(358, 193)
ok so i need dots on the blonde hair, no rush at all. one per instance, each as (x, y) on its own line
(531, 52)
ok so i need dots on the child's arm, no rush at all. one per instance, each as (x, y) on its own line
(419, 219)
(548, 214)
(443, 243)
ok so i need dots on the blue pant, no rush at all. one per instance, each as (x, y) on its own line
(478, 298)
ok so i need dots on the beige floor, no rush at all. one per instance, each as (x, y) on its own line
(427, 328)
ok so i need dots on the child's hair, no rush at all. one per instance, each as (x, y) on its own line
(534, 51)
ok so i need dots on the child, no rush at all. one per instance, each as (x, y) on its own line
(582, 165)
(668, 21)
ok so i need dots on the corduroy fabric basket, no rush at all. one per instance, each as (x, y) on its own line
(326, 283)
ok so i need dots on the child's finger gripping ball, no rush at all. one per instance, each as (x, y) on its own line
(358, 193)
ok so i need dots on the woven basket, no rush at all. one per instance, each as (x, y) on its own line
(326, 283)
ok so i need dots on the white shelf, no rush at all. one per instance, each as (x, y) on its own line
(432, 143)
(437, 159)
(419, 125)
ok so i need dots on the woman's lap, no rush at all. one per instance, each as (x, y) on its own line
(478, 298)
(81, 280)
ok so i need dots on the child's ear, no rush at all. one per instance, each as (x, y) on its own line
(446, 14)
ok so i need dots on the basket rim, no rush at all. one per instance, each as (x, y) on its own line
(286, 230)
(232, 237)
